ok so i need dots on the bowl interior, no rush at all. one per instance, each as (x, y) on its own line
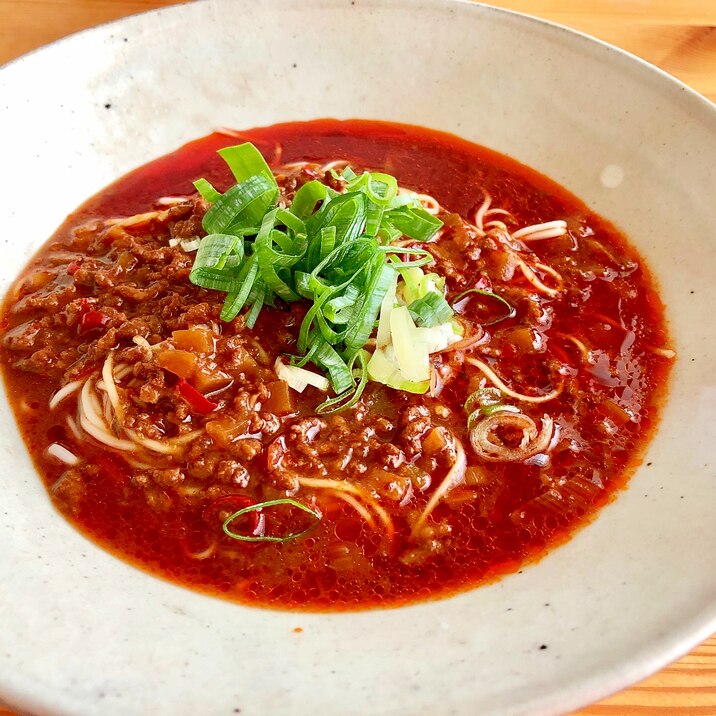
(91, 635)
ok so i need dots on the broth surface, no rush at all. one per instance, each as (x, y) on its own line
(594, 333)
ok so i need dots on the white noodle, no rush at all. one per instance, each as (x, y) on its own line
(110, 386)
(532, 277)
(664, 352)
(342, 163)
(339, 485)
(480, 213)
(227, 132)
(62, 454)
(122, 371)
(153, 445)
(548, 230)
(107, 411)
(104, 437)
(497, 381)
(172, 200)
(72, 425)
(63, 392)
(142, 342)
(429, 203)
(455, 475)
(90, 408)
(138, 219)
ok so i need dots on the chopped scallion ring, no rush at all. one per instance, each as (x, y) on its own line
(510, 313)
(269, 538)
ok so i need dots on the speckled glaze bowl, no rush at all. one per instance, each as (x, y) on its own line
(85, 634)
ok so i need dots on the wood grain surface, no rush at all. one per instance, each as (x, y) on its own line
(677, 35)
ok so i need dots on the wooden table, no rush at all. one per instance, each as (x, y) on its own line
(677, 35)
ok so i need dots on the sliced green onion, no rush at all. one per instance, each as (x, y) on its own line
(245, 162)
(326, 357)
(262, 506)
(425, 256)
(211, 259)
(350, 397)
(235, 300)
(430, 310)
(346, 212)
(207, 191)
(270, 260)
(366, 312)
(308, 196)
(483, 397)
(339, 309)
(285, 218)
(484, 402)
(510, 312)
(242, 206)
(381, 189)
(414, 222)
(258, 303)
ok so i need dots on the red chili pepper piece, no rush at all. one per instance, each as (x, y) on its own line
(233, 503)
(73, 266)
(196, 400)
(91, 321)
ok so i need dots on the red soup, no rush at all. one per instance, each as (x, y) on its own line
(383, 365)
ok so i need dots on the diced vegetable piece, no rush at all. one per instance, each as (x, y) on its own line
(435, 441)
(225, 429)
(196, 340)
(244, 362)
(181, 363)
(196, 400)
(37, 280)
(209, 378)
(280, 400)
(523, 339)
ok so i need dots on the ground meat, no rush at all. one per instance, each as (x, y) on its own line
(415, 421)
(246, 449)
(44, 361)
(22, 337)
(232, 472)
(169, 477)
(191, 227)
(302, 434)
(69, 489)
(133, 293)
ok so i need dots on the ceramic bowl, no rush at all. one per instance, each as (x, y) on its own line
(85, 634)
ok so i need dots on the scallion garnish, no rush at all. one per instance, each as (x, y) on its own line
(430, 310)
(332, 249)
(510, 311)
(484, 402)
(262, 506)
